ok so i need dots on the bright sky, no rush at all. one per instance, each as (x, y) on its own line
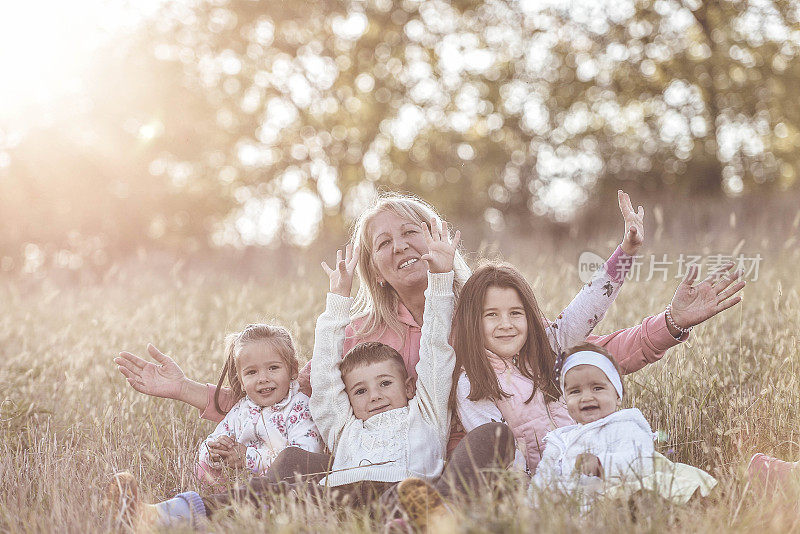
(46, 44)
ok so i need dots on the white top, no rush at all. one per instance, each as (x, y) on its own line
(393, 445)
(267, 431)
(623, 441)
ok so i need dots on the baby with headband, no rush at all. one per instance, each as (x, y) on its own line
(609, 450)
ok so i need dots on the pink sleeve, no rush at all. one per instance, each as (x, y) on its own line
(211, 479)
(304, 376)
(639, 345)
(618, 264)
(226, 402)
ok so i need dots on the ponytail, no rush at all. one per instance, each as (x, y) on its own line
(229, 371)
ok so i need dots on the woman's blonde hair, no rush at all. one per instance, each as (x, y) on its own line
(281, 340)
(376, 303)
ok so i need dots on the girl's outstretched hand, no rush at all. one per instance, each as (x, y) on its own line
(342, 276)
(693, 304)
(441, 251)
(634, 224)
(162, 379)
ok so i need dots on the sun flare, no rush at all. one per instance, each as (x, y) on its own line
(46, 46)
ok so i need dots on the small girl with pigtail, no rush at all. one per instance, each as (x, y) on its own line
(271, 414)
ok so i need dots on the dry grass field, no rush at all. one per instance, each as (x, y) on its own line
(68, 419)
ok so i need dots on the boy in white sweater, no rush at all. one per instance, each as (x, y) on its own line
(379, 425)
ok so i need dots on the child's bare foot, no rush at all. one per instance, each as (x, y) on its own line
(425, 506)
(123, 504)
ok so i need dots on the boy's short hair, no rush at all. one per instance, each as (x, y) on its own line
(598, 349)
(371, 352)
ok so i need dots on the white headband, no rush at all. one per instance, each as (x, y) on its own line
(587, 357)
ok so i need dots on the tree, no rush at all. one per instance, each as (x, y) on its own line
(252, 122)
(686, 92)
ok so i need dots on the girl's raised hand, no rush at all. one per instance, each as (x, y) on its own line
(342, 276)
(162, 379)
(634, 224)
(441, 250)
(693, 304)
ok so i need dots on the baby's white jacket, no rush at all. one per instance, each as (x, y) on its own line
(623, 441)
(399, 443)
(267, 431)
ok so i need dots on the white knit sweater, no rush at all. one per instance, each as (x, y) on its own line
(403, 442)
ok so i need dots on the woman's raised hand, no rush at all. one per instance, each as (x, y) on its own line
(342, 276)
(162, 379)
(693, 304)
(634, 224)
(441, 250)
